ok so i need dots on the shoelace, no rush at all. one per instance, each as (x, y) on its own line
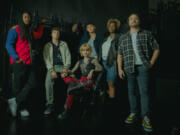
(132, 115)
(147, 121)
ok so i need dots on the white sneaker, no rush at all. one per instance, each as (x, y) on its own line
(146, 123)
(24, 113)
(13, 106)
(132, 118)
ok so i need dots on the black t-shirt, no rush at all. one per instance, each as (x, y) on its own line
(57, 58)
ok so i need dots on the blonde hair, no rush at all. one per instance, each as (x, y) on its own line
(114, 20)
(85, 46)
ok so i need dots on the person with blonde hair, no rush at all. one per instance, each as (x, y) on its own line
(88, 66)
(108, 53)
(92, 38)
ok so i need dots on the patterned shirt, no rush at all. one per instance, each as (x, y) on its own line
(57, 58)
(146, 44)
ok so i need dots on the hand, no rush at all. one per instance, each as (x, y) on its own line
(64, 73)
(54, 74)
(151, 64)
(44, 20)
(75, 27)
(19, 60)
(121, 74)
(90, 75)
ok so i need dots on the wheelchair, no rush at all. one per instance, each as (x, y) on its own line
(89, 99)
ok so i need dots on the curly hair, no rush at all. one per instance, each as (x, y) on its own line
(115, 21)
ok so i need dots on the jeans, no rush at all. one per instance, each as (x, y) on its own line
(49, 83)
(139, 78)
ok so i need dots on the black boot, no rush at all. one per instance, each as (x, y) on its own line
(75, 88)
(65, 115)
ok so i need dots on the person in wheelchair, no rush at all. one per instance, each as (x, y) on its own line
(87, 66)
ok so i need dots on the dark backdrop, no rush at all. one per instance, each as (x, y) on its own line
(97, 11)
(164, 23)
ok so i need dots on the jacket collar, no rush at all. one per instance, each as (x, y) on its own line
(137, 32)
(116, 36)
(60, 43)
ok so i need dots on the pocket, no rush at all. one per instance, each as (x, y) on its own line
(146, 67)
(18, 66)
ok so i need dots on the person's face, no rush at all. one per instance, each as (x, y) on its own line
(85, 52)
(26, 18)
(55, 34)
(74, 27)
(112, 28)
(133, 21)
(90, 28)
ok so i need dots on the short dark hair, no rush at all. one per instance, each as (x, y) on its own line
(90, 23)
(134, 13)
(27, 12)
(55, 28)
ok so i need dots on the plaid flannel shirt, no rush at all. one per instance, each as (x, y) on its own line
(146, 45)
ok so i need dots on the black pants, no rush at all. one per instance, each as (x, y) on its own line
(24, 80)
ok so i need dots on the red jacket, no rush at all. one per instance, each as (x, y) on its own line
(22, 47)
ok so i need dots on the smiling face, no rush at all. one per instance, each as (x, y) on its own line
(133, 20)
(26, 18)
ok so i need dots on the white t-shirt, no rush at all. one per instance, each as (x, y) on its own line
(105, 48)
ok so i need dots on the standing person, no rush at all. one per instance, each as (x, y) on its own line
(57, 57)
(138, 51)
(18, 45)
(108, 55)
(73, 38)
(92, 39)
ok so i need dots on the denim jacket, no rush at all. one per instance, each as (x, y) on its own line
(97, 42)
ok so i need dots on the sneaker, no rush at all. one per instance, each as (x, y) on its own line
(49, 109)
(24, 113)
(132, 118)
(146, 123)
(64, 115)
(13, 106)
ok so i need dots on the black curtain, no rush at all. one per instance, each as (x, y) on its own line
(73, 11)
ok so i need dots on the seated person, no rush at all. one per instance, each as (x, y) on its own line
(87, 66)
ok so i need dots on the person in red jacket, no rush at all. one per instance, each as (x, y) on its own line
(18, 46)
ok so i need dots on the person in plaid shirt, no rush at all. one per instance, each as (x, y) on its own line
(138, 51)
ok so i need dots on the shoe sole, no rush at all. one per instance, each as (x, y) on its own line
(147, 130)
(127, 122)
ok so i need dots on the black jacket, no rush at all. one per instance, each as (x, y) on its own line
(97, 42)
(112, 54)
